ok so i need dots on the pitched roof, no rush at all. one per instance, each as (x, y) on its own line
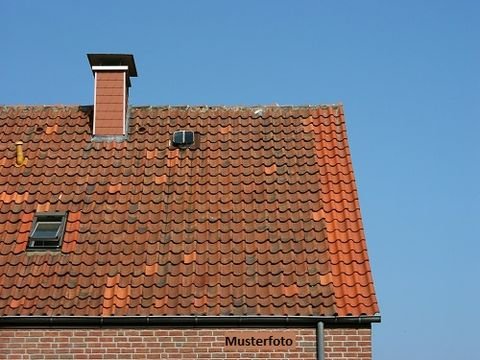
(262, 218)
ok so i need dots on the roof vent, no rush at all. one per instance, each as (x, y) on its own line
(183, 138)
(21, 160)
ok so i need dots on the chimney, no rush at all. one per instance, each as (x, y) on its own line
(112, 74)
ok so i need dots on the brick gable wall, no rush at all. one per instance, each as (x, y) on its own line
(163, 343)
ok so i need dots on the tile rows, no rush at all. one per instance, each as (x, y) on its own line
(262, 218)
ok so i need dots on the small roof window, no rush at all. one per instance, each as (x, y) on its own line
(47, 231)
(183, 138)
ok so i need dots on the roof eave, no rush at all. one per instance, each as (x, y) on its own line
(183, 321)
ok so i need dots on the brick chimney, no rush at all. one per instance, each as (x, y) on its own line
(112, 74)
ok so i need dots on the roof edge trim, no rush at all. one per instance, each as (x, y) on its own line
(180, 321)
(107, 68)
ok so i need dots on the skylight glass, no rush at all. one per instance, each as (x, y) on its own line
(47, 230)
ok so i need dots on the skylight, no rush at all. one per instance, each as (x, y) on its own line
(47, 231)
(183, 138)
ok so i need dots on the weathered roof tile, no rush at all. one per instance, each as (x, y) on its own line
(261, 219)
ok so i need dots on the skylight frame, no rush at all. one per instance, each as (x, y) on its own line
(41, 242)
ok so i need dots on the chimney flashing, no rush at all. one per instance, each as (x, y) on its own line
(109, 138)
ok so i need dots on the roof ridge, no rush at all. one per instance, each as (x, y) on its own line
(238, 106)
(160, 106)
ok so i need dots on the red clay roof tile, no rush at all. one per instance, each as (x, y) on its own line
(261, 218)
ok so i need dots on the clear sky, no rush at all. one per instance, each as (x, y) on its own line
(407, 72)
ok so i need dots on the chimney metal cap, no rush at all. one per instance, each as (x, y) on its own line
(114, 60)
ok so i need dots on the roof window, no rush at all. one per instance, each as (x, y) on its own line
(47, 231)
(183, 138)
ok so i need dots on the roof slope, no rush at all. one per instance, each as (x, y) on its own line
(261, 219)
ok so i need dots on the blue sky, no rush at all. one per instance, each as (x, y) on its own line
(407, 73)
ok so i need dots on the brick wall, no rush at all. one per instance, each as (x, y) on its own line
(348, 344)
(121, 343)
(110, 103)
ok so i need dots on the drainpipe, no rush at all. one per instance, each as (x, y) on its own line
(320, 342)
